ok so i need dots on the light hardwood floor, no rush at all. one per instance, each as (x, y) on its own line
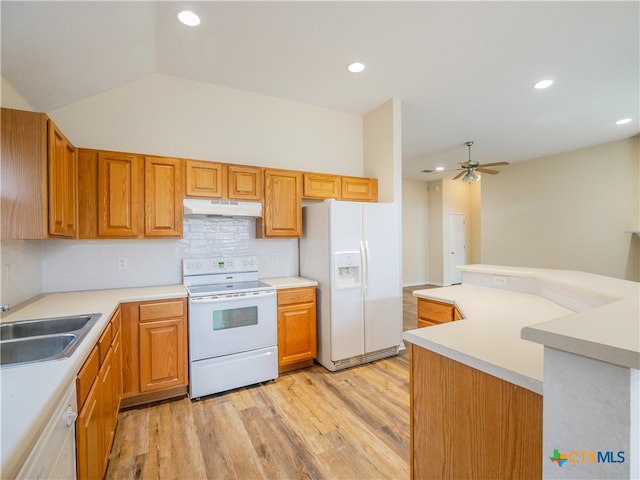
(312, 423)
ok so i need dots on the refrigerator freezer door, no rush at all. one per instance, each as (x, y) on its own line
(383, 297)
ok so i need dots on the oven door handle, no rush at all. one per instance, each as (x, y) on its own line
(232, 296)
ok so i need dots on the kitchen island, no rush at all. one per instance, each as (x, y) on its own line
(479, 384)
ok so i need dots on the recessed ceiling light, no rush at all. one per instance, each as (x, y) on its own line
(355, 67)
(543, 84)
(189, 18)
(624, 121)
(439, 169)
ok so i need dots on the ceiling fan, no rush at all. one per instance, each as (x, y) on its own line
(469, 168)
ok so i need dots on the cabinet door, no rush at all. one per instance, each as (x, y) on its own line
(119, 194)
(359, 189)
(71, 201)
(204, 179)
(117, 373)
(163, 354)
(244, 183)
(62, 183)
(319, 185)
(89, 437)
(23, 175)
(106, 389)
(296, 333)
(163, 197)
(282, 211)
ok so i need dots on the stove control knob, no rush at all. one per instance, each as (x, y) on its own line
(230, 263)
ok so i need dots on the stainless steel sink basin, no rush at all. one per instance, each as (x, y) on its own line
(46, 326)
(36, 349)
(43, 339)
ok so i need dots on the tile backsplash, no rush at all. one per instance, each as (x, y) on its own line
(21, 270)
(95, 264)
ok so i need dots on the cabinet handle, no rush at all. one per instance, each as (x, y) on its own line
(71, 416)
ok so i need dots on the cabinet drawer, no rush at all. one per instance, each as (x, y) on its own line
(296, 295)
(87, 375)
(157, 311)
(105, 342)
(434, 312)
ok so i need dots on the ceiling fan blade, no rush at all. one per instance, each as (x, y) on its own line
(487, 170)
(460, 174)
(495, 164)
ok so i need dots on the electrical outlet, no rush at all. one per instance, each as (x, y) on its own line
(499, 281)
(123, 263)
(274, 257)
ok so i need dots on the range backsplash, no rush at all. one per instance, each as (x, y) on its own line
(94, 264)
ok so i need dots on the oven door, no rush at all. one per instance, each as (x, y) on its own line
(226, 324)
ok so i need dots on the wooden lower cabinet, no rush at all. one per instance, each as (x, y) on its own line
(99, 390)
(162, 353)
(469, 424)
(297, 346)
(431, 312)
(154, 346)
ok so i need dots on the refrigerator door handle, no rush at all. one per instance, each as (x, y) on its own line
(365, 266)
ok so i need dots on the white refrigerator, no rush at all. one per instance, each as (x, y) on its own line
(353, 250)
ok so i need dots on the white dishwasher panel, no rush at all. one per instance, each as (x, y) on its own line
(54, 455)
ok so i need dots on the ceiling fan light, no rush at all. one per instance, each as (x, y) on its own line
(470, 177)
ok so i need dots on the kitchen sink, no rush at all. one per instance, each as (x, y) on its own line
(46, 326)
(43, 339)
(36, 349)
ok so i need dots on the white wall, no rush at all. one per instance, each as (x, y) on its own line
(382, 140)
(11, 98)
(415, 233)
(567, 211)
(171, 116)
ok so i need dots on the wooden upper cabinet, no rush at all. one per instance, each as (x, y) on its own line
(282, 208)
(204, 179)
(119, 194)
(359, 189)
(320, 185)
(62, 182)
(244, 183)
(130, 196)
(163, 180)
(38, 175)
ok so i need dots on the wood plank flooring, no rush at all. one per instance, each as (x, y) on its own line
(311, 423)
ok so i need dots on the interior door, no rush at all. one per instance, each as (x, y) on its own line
(457, 246)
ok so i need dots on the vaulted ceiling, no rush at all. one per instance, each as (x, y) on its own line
(463, 70)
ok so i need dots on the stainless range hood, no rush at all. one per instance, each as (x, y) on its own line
(221, 208)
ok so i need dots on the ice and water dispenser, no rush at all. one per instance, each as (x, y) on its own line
(347, 269)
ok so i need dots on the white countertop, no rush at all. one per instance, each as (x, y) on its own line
(289, 282)
(31, 392)
(578, 312)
